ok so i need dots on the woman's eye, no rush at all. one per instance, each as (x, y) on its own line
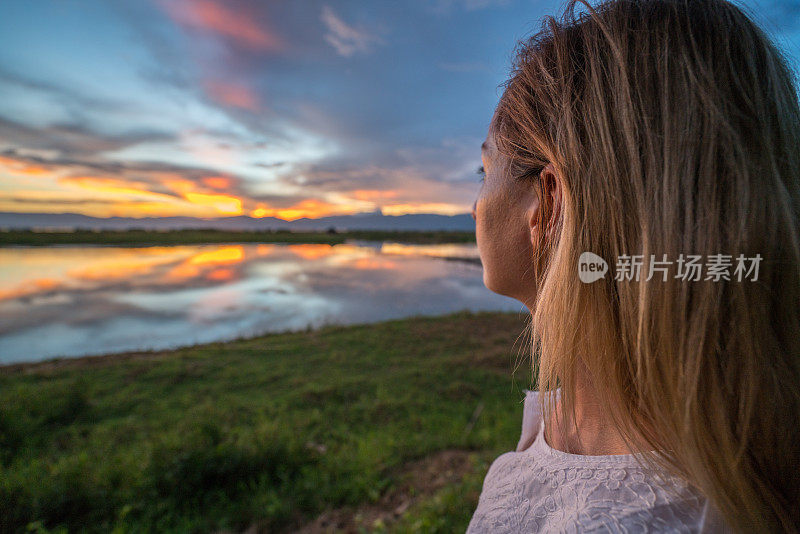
(482, 173)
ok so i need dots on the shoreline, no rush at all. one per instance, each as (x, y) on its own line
(100, 360)
(30, 238)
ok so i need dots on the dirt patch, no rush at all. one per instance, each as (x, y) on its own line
(420, 479)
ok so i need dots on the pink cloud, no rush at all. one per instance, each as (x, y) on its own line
(221, 19)
(233, 94)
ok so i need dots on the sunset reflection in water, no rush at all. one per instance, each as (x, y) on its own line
(71, 301)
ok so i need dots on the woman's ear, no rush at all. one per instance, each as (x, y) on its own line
(545, 211)
(555, 190)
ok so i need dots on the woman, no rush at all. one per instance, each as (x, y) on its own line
(662, 139)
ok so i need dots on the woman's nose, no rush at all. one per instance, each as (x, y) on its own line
(474, 206)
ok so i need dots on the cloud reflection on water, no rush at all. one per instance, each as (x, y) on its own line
(71, 301)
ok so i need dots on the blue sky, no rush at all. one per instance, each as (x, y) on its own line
(282, 108)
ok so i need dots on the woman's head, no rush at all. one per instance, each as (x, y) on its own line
(507, 216)
(660, 128)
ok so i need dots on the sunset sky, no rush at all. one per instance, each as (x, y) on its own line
(295, 108)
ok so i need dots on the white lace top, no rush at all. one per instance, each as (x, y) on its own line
(541, 489)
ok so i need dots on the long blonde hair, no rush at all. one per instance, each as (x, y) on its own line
(675, 127)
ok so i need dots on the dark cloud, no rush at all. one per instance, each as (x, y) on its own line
(74, 139)
(270, 165)
(280, 201)
(69, 98)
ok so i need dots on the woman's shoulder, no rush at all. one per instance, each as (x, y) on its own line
(536, 487)
(521, 493)
(531, 420)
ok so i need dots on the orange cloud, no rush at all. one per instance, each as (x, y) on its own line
(442, 208)
(371, 194)
(14, 166)
(202, 202)
(112, 185)
(260, 212)
(221, 19)
(224, 204)
(143, 209)
(234, 95)
(154, 192)
(217, 182)
(220, 275)
(309, 207)
(179, 185)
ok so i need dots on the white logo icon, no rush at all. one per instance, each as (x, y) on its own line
(591, 267)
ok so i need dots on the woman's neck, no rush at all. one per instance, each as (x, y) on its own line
(593, 432)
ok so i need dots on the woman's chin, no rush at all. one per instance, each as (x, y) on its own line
(487, 280)
(498, 287)
(493, 285)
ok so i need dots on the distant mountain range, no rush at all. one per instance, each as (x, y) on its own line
(361, 221)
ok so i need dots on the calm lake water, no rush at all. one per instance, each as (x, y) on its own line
(81, 300)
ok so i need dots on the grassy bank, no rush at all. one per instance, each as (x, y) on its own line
(187, 237)
(382, 427)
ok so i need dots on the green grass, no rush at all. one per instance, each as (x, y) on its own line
(267, 432)
(185, 237)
